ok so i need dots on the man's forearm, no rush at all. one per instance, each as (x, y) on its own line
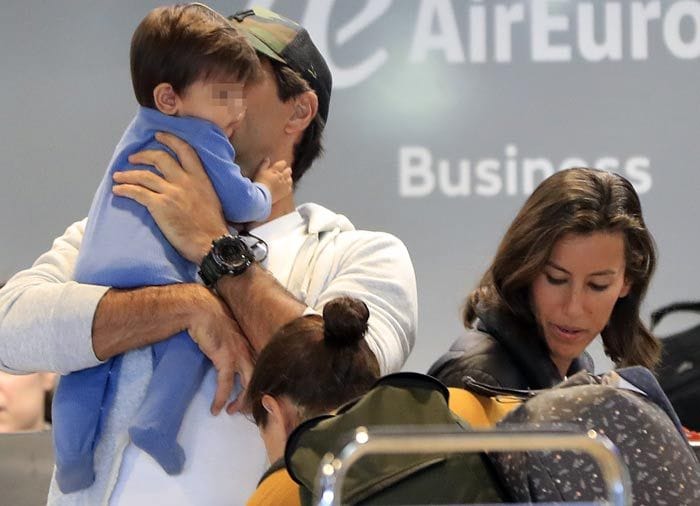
(259, 303)
(130, 319)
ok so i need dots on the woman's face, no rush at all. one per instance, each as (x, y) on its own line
(22, 401)
(574, 295)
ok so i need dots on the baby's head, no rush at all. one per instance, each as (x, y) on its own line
(311, 366)
(188, 60)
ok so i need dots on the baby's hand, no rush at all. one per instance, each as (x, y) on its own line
(277, 177)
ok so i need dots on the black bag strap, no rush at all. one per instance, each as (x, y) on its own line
(487, 390)
(657, 315)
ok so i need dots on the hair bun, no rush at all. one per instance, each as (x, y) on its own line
(345, 321)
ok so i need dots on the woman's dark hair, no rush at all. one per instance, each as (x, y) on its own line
(181, 44)
(289, 85)
(318, 363)
(575, 201)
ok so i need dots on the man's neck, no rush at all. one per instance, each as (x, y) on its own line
(280, 208)
(283, 206)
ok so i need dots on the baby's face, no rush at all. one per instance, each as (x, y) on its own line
(221, 102)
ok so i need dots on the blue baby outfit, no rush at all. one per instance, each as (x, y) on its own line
(123, 248)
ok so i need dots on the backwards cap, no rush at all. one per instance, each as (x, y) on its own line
(285, 41)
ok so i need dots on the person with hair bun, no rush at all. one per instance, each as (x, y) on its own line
(317, 369)
(332, 365)
(575, 263)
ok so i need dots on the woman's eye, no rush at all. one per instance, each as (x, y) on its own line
(554, 281)
(598, 288)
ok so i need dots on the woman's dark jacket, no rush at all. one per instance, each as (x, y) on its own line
(501, 351)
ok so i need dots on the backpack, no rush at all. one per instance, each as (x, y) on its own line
(402, 399)
(679, 370)
(629, 408)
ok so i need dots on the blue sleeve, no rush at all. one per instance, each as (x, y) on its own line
(241, 199)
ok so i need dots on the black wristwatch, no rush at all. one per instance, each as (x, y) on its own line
(228, 255)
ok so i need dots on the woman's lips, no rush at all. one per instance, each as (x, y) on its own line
(568, 333)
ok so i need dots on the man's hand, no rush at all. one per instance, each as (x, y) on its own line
(183, 202)
(130, 319)
(220, 338)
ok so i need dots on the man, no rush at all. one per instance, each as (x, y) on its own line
(48, 322)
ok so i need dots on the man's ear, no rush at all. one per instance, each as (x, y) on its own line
(166, 99)
(303, 113)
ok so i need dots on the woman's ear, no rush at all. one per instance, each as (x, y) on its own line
(305, 110)
(274, 432)
(281, 411)
(166, 99)
(271, 405)
(625, 289)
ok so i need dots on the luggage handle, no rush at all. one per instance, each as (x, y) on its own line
(333, 468)
(657, 315)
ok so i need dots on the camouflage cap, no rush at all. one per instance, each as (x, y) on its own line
(287, 42)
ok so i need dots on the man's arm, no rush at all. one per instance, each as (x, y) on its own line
(259, 303)
(187, 210)
(129, 319)
(50, 323)
(45, 317)
(376, 268)
(373, 267)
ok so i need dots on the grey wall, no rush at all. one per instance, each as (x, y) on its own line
(444, 115)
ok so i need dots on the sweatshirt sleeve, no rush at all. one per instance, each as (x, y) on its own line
(375, 267)
(45, 317)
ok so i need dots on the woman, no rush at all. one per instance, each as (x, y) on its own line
(333, 364)
(576, 262)
(311, 367)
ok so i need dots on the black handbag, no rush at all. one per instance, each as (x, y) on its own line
(679, 370)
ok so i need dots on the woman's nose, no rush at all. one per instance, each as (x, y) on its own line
(573, 305)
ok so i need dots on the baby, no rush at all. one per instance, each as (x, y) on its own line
(189, 69)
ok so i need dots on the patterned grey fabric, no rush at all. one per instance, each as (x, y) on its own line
(662, 467)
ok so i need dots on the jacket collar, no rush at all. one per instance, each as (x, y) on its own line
(524, 344)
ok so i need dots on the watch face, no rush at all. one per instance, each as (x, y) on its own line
(231, 253)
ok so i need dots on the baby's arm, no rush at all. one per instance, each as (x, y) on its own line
(277, 178)
(242, 200)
